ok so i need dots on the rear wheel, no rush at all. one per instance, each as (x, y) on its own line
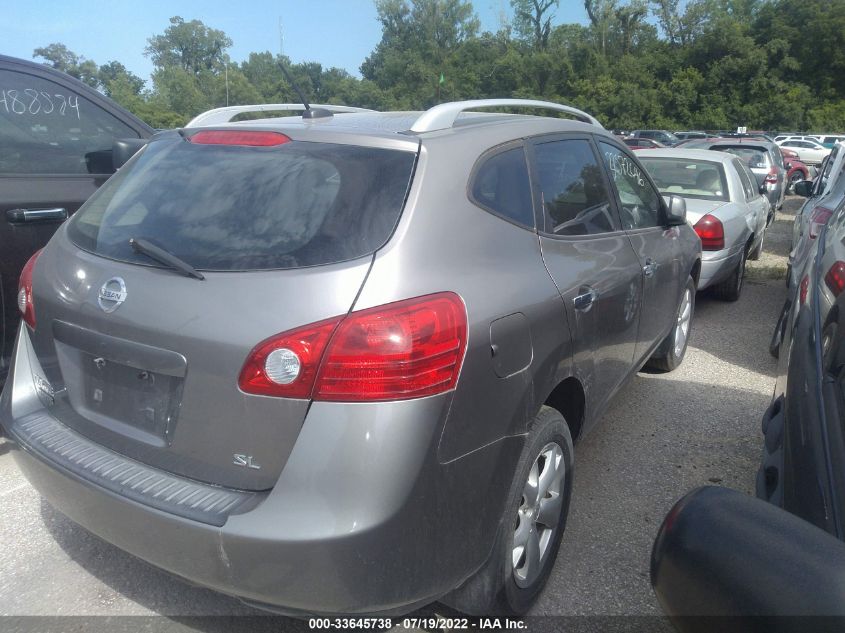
(731, 288)
(672, 350)
(530, 532)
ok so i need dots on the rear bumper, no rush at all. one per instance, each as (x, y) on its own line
(362, 520)
(716, 266)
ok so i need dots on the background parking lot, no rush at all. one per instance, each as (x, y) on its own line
(663, 435)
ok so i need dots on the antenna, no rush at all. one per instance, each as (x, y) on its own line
(310, 113)
(281, 38)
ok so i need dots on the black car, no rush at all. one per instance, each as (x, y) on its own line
(803, 468)
(57, 136)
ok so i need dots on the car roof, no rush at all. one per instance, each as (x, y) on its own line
(448, 119)
(692, 154)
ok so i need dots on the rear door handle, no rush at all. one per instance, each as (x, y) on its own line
(586, 299)
(18, 216)
(650, 267)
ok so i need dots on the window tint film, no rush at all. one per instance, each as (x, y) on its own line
(639, 201)
(501, 185)
(575, 199)
(248, 208)
(46, 128)
(704, 180)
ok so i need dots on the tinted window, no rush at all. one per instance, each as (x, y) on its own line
(639, 201)
(46, 128)
(502, 186)
(753, 157)
(245, 208)
(575, 199)
(704, 180)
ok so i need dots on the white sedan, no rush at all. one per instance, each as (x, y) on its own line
(808, 150)
(725, 205)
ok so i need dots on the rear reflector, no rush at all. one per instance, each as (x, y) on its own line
(709, 228)
(403, 350)
(803, 288)
(835, 278)
(252, 138)
(25, 302)
(819, 218)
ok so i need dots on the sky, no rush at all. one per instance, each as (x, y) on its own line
(337, 33)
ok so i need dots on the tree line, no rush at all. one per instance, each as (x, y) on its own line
(697, 64)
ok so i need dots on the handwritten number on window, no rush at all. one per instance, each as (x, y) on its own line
(32, 101)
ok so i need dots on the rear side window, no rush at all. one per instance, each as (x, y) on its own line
(248, 208)
(575, 198)
(46, 128)
(501, 185)
(746, 178)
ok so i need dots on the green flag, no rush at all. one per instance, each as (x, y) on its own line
(442, 79)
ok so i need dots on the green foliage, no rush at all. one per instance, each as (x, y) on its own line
(700, 64)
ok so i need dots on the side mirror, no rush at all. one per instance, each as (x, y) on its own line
(722, 553)
(125, 148)
(676, 210)
(804, 188)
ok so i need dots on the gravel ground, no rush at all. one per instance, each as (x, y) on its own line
(664, 435)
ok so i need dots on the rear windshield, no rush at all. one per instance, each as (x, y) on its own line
(228, 208)
(753, 157)
(704, 180)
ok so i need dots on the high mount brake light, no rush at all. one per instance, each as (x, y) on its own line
(25, 301)
(712, 233)
(251, 138)
(398, 351)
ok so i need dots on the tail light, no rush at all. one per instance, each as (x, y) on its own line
(819, 218)
(398, 351)
(709, 228)
(253, 138)
(772, 176)
(835, 278)
(803, 288)
(25, 304)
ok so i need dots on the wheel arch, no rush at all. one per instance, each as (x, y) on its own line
(569, 399)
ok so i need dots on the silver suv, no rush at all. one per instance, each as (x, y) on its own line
(336, 364)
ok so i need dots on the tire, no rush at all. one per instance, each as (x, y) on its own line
(755, 255)
(671, 351)
(504, 586)
(731, 288)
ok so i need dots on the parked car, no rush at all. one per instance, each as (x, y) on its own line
(279, 345)
(683, 136)
(796, 171)
(57, 136)
(823, 196)
(725, 206)
(796, 137)
(829, 140)
(801, 469)
(642, 143)
(664, 137)
(809, 151)
(762, 157)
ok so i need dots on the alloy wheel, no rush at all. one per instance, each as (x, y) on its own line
(683, 322)
(538, 514)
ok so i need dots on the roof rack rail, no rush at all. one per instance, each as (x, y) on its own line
(219, 116)
(442, 117)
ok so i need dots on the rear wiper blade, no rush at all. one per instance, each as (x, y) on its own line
(140, 245)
